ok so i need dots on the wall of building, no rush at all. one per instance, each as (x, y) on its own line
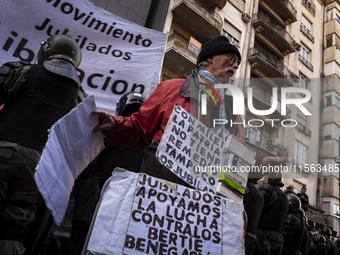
(148, 13)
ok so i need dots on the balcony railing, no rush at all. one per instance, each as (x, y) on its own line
(264, 142)
(275, 27)
(266, 98)
(177, 54)
(304, 129)
(210, 16)
(181, 44)
(213, 3)
(306, 63)
(284, 9)
(273, 61)
(289, 6)
(306, 32)
(309, 5)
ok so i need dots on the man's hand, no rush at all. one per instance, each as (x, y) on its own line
(106, 122)
(274, 161)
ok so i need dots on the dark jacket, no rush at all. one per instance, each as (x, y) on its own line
(40, 101)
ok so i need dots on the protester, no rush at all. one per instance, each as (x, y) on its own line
(35, 97)
(304, 198)
(270, 226)
(218, 60)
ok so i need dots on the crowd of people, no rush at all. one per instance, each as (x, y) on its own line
(35, 96)
(277, 222)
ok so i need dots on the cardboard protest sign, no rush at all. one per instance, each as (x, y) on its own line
(140, 214)
(178, 220)
(191, 150)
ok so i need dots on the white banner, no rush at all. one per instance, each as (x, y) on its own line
(118, 56)
(140, 214)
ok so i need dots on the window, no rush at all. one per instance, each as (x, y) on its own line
(326, 207)
(231, 38)
(303, 82)
(307, 26)
(337, 102)
(232, 33)
(336, 210)
(328, 100)
(253, 135)
(309, 5)
(337, 17)
(304, 57)
(329, 41)
(300, 154)
(305, 54)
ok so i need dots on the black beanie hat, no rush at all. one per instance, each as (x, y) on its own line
(216, 46)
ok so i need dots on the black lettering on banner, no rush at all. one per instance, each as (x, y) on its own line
(151, 207)
(217, 212)
(135, 214)
(21, 51)
(177, 223)
(87, 20)
(165, 161)
(83, 41)
(217, 237)
(213, 224)
(99, 81)
(141, 192)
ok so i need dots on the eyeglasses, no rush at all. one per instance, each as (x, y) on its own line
(234, 60)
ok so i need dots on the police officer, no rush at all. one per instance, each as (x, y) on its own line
(319, 245)
(307, 240)
(294, 228)
(269, 232)
(35, 97)
(129, 103)
(330, 246)
(253, 203)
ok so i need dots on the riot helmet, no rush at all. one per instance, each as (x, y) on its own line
(129, 103)
(319, 240)
(276, 179)
(325, 231)
(294, 203)
(60, 47)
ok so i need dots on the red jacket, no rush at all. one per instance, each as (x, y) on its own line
(148, 124)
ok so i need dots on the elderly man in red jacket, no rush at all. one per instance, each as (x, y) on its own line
(218, 60)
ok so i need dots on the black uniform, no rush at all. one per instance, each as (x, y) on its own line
(35, 98)
(293, 233)
(253, 203)
(272, 218)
